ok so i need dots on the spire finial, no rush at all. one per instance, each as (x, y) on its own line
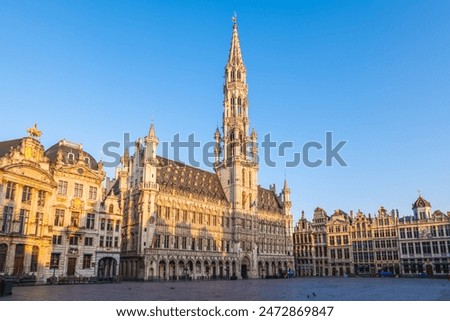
(234, 19)
(420, 192)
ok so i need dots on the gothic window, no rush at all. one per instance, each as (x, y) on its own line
(243, 177)
(166, 241)
(177, 242)
(167, 213)
(239, 75)
(250, 180)
(157, 241)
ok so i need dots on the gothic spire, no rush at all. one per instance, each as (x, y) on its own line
(235, 55)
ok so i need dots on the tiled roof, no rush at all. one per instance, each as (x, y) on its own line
(52, 154)
(268, 201)
(187, 179)
(6, 146)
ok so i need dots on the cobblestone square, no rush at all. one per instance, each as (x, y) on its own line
(297, 289)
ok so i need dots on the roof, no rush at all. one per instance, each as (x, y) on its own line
(172, 175)
(421, 202)
(268, 201)
(5, 146)
(67, 148)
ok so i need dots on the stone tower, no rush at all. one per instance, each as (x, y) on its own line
(236, 150)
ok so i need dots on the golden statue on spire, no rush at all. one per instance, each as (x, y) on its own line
(34, 132)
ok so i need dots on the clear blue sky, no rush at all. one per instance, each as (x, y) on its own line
(374, 73)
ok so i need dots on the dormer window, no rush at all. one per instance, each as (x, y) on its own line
(71, 158)
(87, 161)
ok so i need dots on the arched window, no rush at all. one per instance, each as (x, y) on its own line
(243, 177)
(87, 161)
(71, 158)
(111, 209)
(250, 180)
(3, 253)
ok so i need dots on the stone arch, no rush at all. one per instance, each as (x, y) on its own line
(221, 269)
(198, 269)
(172, 273)
(213, 269)
(207, 269)
(162, 270)
(233, 269)
(227, 269)
(107, 268)
(245, 267)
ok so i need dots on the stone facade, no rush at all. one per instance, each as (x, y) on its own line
(182, 222)
(52, 212)
(381, 245)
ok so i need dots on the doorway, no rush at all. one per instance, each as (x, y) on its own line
(71, 266)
